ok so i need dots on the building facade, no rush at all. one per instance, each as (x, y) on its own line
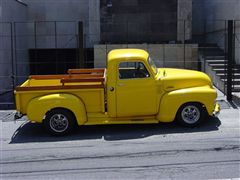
(37, 34)
(210, 22)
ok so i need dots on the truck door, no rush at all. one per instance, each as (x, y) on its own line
(135, 90)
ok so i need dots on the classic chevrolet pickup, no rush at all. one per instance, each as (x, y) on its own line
(131, 90)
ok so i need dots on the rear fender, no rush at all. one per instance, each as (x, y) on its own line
(38, 107)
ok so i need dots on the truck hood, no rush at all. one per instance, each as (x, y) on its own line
(174, 79)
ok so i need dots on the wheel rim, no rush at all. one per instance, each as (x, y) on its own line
(59, 123)
(190, 114)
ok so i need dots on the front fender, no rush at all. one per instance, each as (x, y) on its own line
(172, 101)
(38, 107)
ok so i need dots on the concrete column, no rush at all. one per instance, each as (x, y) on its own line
(94, 22)
(184, 13)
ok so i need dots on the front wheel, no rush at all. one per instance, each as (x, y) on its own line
(59, 121)
(191, 114)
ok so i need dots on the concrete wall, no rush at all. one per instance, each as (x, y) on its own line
(164, 55)
(11, 10)
(57, 10)
(94, 22)
(155, 21)
(237, 42)
(138, 21)
(184, 16)
(210, 16)
(198, 20)
(86, 11)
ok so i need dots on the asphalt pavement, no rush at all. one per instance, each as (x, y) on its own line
(157, 151)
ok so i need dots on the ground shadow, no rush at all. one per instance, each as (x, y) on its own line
(32, 132)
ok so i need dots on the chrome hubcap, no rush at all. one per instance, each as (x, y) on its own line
(59, 122)
(190, 114)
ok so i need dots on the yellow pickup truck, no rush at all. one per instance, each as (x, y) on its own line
(131, 90)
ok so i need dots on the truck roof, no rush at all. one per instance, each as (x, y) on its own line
(127, 54)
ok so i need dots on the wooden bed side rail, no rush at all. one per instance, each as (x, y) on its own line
(45, 77)
(76, 80)
(44, 88)
(57, 76)
(86, 71)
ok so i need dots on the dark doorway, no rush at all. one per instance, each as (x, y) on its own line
(52, 61)
(57, 61)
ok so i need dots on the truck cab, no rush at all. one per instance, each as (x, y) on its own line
(132, 85)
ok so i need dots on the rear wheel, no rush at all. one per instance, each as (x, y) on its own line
(191, 114)
(59, 121)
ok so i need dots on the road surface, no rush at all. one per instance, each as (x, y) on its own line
(123, 151)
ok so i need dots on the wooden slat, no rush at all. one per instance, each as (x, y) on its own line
(85, 71)
(72, 73)
(48, 76)
(72, 80)
(85, 75)
(42, 88)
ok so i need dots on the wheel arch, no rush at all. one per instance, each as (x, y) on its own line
(61, 108)
(39, 106)
(191, 103)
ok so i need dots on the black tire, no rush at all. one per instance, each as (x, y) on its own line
(191, 114)
(59, 121)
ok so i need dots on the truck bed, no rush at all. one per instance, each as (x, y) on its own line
(75, 79)
(87, 84)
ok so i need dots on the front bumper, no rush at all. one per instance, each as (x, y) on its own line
(216, 111)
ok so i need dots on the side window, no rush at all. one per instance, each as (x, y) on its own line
(129, 70)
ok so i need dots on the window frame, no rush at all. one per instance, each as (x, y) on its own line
(132, 61)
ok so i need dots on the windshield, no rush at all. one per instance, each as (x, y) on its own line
(153, 66)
